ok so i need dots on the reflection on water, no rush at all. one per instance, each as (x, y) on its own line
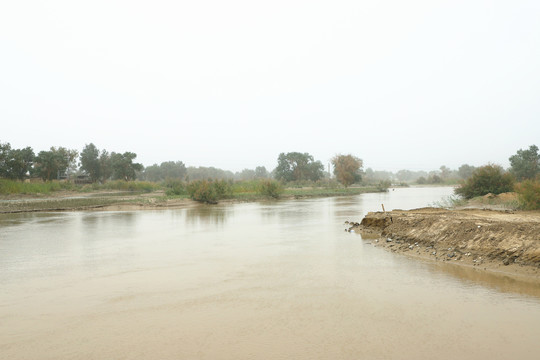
(269, 280)
(497, 281)
(207, 214)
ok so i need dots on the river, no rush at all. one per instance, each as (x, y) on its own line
(265, 280)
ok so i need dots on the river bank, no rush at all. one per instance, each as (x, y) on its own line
(129, 200)
(499, 241)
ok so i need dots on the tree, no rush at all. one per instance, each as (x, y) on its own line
(525, 164)
(261, 172)
(167, 170)
(15, 163)
(20, 163)
(465, 171)
(71, 156)
(445, 172)
(105, 164)
(123, 167)
(173, 170)
(347, 169)
(405, 175)
(152, 173)
(48, 164)
(90, 163)
(246, 174)
(484, 180)
(55, 163)
(529, 194)
(202, 173)
(295, 166)
(5, 149)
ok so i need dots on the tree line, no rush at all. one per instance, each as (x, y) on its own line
(59, 162)
(100, 165)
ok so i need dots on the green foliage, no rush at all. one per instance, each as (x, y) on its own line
(123, 167)
(526, 163)
(15, 163)
(175, 187)
(54, 163)
(9, 187)
(484, 180)
(431, 180)
(205, 173)
(5, 148)
(223, 188)
(383, 185)
(90, 162)
(261, 172)
(465, 171)
(271, 188)
(529, 194)
(105, 165)
(202, 191)
(209, 191)
(347, 169)
(295, 166)
(166, 170)
(21, 163)
(450, 202)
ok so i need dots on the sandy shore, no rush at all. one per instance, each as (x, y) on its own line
(96, 201)
(498, 241)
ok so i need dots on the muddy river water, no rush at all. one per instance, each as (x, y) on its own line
(268, 280)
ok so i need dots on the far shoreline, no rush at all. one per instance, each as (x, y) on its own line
(156, 200)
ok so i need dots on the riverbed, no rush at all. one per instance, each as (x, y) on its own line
(266, 280)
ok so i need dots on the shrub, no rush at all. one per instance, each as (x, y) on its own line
(529, 194)
(383, 185)
(449, 202)
(484, 180)
(271, 188)
(223, 188)
(203, 191)
(175, 187)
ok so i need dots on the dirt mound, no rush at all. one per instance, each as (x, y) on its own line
(472, 236)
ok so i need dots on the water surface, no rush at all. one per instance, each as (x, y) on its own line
(269, 280)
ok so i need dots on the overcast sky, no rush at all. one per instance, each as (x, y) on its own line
(231, 84)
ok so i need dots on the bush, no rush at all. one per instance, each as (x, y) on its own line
(223, 188)
(271, 188)
(484, 180)
(203, 191)
(383, 185)
(175, 187)
(529, 194)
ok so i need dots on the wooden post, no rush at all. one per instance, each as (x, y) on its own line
(383, 208)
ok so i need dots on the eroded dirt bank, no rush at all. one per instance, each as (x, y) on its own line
(493, 240)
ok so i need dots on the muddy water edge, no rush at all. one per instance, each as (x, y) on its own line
(268, 280)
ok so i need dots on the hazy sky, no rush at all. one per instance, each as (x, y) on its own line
(231, 84)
